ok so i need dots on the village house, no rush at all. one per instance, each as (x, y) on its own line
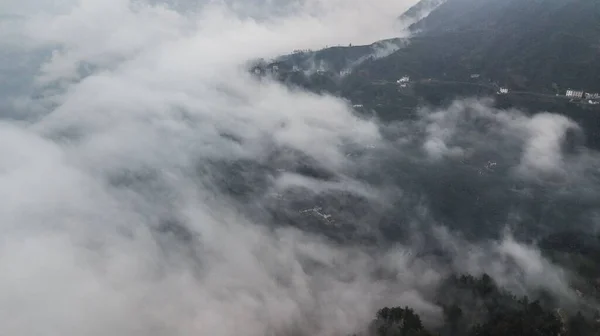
(592, 95)
(574, 94)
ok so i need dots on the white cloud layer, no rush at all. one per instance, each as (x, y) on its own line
(130, 107)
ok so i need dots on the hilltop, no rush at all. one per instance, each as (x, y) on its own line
(541, 45)
(536, 50)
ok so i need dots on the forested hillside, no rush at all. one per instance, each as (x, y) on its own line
(536, 50)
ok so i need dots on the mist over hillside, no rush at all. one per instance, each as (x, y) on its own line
(154, 186)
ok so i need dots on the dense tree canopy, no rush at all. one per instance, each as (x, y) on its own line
(480, 308)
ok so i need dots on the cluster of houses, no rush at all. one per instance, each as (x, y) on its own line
(591, 98)
(403, 82)
(588, 97)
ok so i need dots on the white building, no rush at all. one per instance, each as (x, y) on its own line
(404, 79)
(503, 90)
(574, 93)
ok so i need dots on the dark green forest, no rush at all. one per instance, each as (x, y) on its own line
(479, 308)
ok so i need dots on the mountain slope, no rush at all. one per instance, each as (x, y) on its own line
(534, 45)
(528, 45)
(538, 49)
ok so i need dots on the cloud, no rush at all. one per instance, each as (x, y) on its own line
(157, 189)
(119, 221)
(545, 147)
